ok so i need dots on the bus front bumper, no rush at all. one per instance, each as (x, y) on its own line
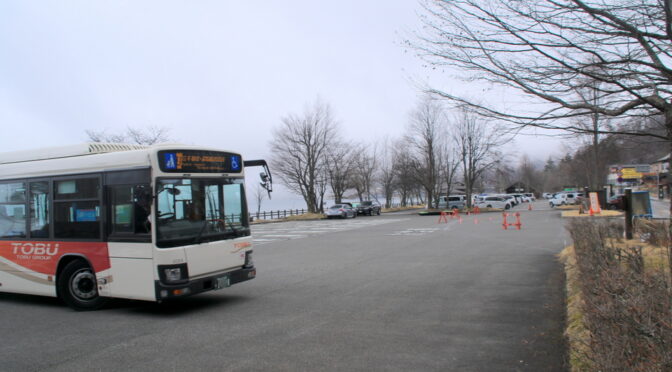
(209, 283)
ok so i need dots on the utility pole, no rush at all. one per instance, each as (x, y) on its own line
(628, 214)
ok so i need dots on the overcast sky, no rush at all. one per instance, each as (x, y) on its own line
(217, 73)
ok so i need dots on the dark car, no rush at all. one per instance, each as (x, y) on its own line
(367, 207)
(616, 202)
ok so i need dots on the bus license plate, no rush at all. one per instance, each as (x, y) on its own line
(222, 282)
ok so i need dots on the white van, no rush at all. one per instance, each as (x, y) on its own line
(558, 199)
(452, 201)
(565, 198)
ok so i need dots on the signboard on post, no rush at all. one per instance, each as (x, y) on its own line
(630, 173)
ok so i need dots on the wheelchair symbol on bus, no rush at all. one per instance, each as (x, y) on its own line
(235, 163)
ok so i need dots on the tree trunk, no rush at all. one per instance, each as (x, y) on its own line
(668, 122)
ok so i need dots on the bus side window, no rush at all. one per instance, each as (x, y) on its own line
(77, 209)
(12, 210)
(39, 209)
(121, 198)
(129, 215)
(141, 211)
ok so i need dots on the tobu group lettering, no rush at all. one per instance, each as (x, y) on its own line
(48, 249)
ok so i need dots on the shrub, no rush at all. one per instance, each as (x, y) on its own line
(625, 302)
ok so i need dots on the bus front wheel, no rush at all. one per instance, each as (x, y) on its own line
(77, 287)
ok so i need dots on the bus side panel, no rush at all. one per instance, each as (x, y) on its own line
(131, 278)
(17, 281)
(30, 267)
(216, 256)
(131, 273)
(130, 250)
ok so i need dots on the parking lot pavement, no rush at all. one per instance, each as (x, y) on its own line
(271, 232)
(396, 292)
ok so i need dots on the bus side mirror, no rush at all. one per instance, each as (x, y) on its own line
(266, 178)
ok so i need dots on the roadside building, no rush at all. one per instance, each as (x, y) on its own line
(661, 171)
(623, 176)
(521, 187)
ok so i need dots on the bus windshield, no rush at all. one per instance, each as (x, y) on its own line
(197, 210)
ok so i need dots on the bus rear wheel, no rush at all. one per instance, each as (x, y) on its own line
(78, 288)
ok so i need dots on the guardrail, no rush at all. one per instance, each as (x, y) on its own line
(270, 215)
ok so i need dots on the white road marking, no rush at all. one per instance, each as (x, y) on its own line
(415, 232)
(262, 234)
(291, 236)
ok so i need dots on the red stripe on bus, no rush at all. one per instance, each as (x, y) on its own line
(43, 256)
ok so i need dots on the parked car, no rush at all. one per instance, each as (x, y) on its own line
(547, 195)
(530, 196)
(367, 207)
(522, 198)
(558, 200)
(494, 202)
(516, 198)
(452, 201)
(475, 199)
(341, 211)
(574, 197)
(512, 199)
(616, 202)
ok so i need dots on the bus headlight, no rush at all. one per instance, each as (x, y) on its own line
(173, 274)
(249, 263)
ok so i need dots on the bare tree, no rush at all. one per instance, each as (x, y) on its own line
(386, 176)
(424, 135)
(299, 149)
(448, 164)
(322, 184)
(366, 162)
(529, 174)
(259, 195)
(477, 144)
(404, 172)
(341, 164)
(547, 50)
(501, 175)
(142, 136)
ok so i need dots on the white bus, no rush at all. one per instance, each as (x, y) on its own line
(89, 222)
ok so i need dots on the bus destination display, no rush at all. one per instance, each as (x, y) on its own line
(196, 161)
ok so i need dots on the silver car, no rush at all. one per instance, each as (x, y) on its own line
(341, 211)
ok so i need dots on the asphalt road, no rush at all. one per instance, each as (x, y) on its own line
(391, 292)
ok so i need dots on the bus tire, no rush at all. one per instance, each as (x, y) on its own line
(78, 288)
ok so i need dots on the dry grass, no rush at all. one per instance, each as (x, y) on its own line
(568, 207)
(619, 298)
(301, 217)
(576, 332)
(604, 213)
(398, 209)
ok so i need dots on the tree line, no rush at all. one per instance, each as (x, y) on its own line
(578, 63)
(439, 152)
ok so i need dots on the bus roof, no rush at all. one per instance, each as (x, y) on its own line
(66, 151)
(82, 158)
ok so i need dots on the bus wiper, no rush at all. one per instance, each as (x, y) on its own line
(197, 239)
(233, 228)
